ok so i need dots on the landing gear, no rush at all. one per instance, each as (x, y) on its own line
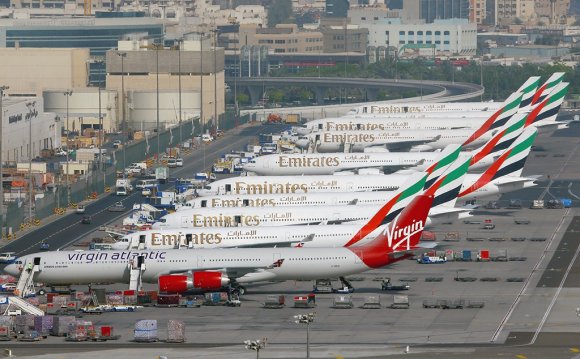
(41, 291)
(236, 290)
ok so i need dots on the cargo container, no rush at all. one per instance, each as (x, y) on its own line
(307, 301)
(466, 255)
(483, 255)
(146, 331)
(61, 324)
(400, 302)
(168, 300)
(372, 302)
(175, 331)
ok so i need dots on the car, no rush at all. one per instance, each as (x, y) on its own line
(171, 163)
(117, 207)
(7, 257)
(80, 209)
(116, 143)
(92, 310)
(146, 192)
(86, 220)
(8, 287)
(179, 162)
(60, 152)
(44, 246)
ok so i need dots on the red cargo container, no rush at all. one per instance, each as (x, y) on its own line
(484, 255)
(428, 236)
(107, 331)
(168, 300)
(50, 296)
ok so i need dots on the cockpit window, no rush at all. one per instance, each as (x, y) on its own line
(207, 187)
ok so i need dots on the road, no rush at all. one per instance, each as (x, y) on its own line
(67, 229)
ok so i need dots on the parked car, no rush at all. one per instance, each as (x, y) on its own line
(8, 287)
(86, 220)
(7, 257)
(80, 209)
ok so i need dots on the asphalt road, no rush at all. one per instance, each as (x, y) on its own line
(68, 228)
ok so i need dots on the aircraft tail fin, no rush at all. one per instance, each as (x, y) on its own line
(545, 112)
(499, 118)
(547, 87)
(401, 235)
(401, 199)
(435, 170)
(511, 162)
(502, 139)
(528, 90)
(448, 186)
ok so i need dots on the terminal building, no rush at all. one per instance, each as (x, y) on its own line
(24, 119)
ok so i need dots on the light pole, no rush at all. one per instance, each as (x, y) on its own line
(2, 224)
(157, 46)
(215, 115)
(123, 122)
(180, 43)
(306, 319)
(201, 95)
(30, 106)
(67, 94)
(256, 345)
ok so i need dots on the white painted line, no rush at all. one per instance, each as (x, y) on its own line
(528, 280)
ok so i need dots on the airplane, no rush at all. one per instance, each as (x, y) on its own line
(177, 271)
(392, 140)
(424, 121)
(327, 164)
(528, 89)
(255, 237)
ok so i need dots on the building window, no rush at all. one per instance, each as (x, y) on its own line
(420, 33)
(401, 33)
(437, 33)
(429, 33)
(446, 33)
(411, 33)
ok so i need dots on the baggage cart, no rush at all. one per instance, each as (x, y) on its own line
(400, 302)
(274, 302)
(372, 302)
(342, 301)
(305, 301)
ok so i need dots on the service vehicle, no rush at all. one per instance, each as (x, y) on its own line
(7, 257)
(388, 285)
(431, 260)
(123, 187)
(161, 174)
(8, 287)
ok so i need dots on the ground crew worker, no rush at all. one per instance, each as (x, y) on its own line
(29, 267)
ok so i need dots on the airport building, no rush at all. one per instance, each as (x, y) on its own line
(149, 74)
(24, 118)
(95, 34)
(455, 36)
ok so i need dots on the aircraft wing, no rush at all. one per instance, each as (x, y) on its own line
(507, 181)
(414, 249)
(406, 145)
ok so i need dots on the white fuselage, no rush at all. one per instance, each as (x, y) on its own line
(224, 237)
(427, 140)
(327, 164)
(381, 122)
(426, 107)
(67, 267)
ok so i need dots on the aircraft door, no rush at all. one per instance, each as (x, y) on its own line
(204, 203)
(189, 240)
(349, 186)
(228, 188)
(245, 203)
(237, 220)
(320, 126)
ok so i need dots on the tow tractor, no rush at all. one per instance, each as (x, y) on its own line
(431, 260)
(388, 285)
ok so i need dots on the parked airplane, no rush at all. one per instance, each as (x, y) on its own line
(178, 271)
(256, 237)
(423, 121)
(393, 140)
(528, 89)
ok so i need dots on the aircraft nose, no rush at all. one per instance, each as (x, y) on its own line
(302, 143)
(12, 269)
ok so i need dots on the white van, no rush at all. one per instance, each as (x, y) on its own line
(146, 183)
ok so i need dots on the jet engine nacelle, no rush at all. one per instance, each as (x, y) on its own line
(180, 283)
(421, 148)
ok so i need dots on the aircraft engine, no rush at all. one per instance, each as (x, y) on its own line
(196, 280)
(421, 148)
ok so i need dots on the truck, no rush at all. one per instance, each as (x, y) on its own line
(123, 187)
(161, 174)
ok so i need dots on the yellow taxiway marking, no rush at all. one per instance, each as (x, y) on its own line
(575, 350)
(521, 356)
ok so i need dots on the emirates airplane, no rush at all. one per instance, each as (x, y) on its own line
(178, 271)
(529, 90)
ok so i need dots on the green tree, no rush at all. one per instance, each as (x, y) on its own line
(279, 12)
(243, 98)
